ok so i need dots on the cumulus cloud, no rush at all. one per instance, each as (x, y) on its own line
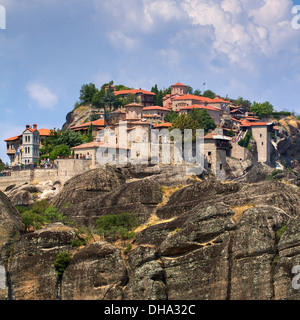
(42, 95)
(242, 29)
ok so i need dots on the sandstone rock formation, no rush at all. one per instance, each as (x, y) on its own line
(211, 240)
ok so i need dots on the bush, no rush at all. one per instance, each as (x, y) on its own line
(62, 261)
(40, 214)
(117, 226)
(280, 232)
(128, 248)
(246, 140)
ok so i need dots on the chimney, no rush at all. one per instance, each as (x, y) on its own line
(35, 126)
(27, 126)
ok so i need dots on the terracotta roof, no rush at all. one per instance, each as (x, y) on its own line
(219, 100)
(99, 122)
(192, 97)
(163, 125)
(178, 84)
(156, 108)
(13, 138)
(216, 136)
(134, 91)
(245, 123)
(151, 115)
(44, 132)
(93, 144)
(197, 106)
(134, 105)
(119, 111)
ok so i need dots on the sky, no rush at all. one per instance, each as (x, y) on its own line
(50, 48)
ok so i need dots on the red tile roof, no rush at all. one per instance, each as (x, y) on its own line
(156, 108)
(163, 125)
(99, 122)
(44, 132)
(134, 91)
(13, 138)
(93, 144)
(192, 97)
(178, 84)
(219, 100)
(197, 106)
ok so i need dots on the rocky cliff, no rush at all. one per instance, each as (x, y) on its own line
(199, 240)
(78, 116)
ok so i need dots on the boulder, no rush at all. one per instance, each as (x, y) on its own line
(96, 272)
(139, 197)
(31, 266)
(89, 185)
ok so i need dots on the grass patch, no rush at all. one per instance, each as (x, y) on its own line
(280, 232)
(167, 192)
(239, 211)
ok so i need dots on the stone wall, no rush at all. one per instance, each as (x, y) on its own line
(66, 170)
(239, 152)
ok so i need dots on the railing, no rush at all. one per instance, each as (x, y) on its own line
(5, 173)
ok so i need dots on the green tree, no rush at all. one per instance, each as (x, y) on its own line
(60, 151)
(171, 116)
(185, 121)
(87, 93)
(117, 226)
(246, 104)
(197, 92)
(203, 118)
(2, 165)
(209, 94)
(189, 90)
(261, 110)
(62, 261)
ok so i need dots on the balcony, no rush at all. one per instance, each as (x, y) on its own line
(10, 151)
(222, 144)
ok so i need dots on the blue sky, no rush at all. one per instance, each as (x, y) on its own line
(50, 48)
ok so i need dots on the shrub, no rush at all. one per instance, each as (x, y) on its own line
(117, 226)
(280, 232)
(128, 248)
(62, 261)
(246, 140)
(39, 214)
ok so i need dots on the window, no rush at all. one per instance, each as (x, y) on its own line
(221, 166)
(209, 153)
(209, 165)
(262, 143)
(261, 135)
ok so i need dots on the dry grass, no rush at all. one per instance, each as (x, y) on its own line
(239, 210)
(168, 192)
(153, 220)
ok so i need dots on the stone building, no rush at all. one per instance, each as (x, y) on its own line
(25, 148)
(156, 111)
(216, 148)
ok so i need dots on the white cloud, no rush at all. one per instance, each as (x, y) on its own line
(243, 31)
(42, 95)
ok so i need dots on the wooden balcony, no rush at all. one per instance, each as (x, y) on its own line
(10, 151)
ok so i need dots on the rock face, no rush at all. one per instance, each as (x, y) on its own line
(77, 116)
(31, 268)
(10, 222)
(215, 241)
(96, 272)
(139, 197)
